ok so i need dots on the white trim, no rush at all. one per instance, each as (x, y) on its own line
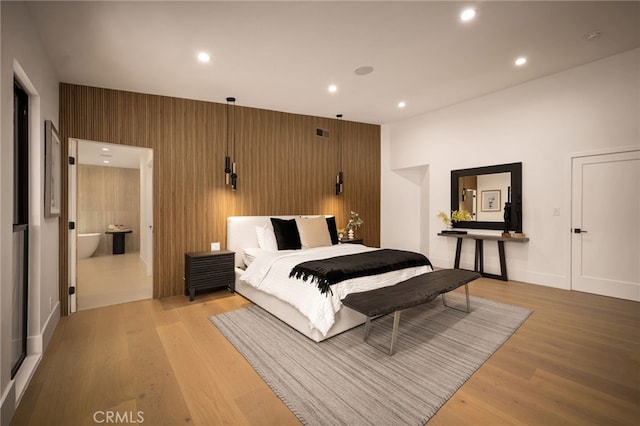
(39, 334)
(35, 348)
(8, 403)
(72, 216)
(24, 375)
(22, 76)
(605, 151)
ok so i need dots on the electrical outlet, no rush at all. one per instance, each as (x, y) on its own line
(556, 211)
(215, 246)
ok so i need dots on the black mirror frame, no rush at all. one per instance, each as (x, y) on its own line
(516, 195)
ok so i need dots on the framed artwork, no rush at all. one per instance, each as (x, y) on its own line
(52, 170)
(491, 201)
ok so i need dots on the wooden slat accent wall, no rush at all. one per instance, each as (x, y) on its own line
(283, 168)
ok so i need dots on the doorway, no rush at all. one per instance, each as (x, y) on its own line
(605, 229)
(110, 202)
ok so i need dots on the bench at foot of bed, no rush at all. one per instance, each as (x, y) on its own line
(406, 294)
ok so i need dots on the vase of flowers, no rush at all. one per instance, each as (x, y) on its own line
(354, 223)
(456, 216)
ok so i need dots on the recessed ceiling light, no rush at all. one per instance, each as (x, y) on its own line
(333, 88)
(520, 61)
(402, 104)
(204, 57)
(364, 70)
(467, 14)
(105, 149)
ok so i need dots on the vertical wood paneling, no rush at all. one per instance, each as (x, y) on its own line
(283, 168)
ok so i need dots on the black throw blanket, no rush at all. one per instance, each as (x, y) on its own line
(325, 272)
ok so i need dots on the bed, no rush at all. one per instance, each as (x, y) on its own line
(267, 284)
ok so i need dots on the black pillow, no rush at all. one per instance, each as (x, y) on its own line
(287, 234)
(333, 230)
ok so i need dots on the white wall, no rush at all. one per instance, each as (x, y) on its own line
(406, 205)
(22, 54)
(541, 123)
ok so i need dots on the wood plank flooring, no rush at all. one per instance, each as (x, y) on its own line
(112, 279)
(576, 360)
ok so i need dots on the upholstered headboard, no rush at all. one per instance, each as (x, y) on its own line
(241, 232)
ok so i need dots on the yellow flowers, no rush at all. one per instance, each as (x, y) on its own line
(456, 216)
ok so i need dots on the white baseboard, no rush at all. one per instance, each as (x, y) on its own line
(24, 375)
(35, 348)
(8, 403)
(50, 325)
(514, 274)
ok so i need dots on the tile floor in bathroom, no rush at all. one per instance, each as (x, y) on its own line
(112, 279)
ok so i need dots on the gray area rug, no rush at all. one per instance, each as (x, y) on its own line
(344, 381)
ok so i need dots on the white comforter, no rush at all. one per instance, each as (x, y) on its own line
(269, 272)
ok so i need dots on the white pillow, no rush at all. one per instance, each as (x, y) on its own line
(313, 231)
(266, 238)
(250, 255)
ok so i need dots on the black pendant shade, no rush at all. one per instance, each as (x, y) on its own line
(339, 176)
(230, 172)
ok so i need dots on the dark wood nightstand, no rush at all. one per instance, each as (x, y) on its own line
(208, 270)
(351, 241)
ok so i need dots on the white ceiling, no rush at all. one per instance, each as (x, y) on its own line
(283, 55)
(111, 155)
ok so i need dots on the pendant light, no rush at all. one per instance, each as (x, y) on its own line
(231, 176)
(339, 176)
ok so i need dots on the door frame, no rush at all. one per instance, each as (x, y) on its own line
(568, 205)
(72, 185)
(72, 192)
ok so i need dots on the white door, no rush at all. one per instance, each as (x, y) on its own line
(73, 217)
(605, 225)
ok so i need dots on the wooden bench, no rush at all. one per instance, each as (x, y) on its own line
(406, 294)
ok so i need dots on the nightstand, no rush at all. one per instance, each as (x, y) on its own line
(351, 241)
(208, 270)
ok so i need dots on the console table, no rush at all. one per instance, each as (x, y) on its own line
(478, 265)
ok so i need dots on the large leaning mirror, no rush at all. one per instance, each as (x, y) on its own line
(491, 194)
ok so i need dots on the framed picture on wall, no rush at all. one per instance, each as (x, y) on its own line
(491, 201)
(52, 170)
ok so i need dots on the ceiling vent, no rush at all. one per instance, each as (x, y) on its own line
(324, 133)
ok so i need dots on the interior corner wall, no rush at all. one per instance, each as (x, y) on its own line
(22, 55)
(403, 203)
(542, 123)
(283, 167)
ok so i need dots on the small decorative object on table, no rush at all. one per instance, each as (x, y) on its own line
(507, 216)
(456, 216)
(354, 223)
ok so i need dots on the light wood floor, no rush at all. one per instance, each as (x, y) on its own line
(576, 360)
(112, 279)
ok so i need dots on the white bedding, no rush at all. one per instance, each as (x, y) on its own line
(269, 272)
